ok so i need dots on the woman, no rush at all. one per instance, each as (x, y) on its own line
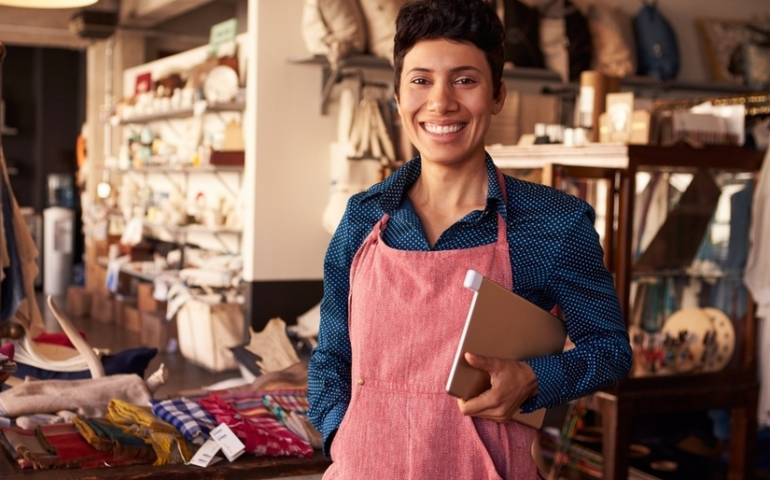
(394, 303)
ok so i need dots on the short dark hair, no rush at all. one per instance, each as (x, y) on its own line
(472, 21)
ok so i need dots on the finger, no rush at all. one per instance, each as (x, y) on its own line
(478, 361)
(484, 403)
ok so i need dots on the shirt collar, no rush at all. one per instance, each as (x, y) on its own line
(394, 188)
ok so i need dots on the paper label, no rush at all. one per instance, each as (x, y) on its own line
(205, 455)
(231, 445)
(222, 33)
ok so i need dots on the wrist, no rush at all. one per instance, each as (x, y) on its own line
(530, 380)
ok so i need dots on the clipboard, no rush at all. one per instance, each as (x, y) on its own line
(502, 324)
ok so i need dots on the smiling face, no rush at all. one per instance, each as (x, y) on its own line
(446, 101)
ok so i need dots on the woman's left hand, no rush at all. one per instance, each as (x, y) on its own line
(512, 383)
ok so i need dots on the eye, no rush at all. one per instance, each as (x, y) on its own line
(465, 81)
(419, 81)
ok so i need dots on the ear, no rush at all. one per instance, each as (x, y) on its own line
(500, 100)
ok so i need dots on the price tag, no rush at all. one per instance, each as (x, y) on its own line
(205, 455)
(230, 444)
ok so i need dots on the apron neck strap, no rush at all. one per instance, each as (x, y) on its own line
(502, 226)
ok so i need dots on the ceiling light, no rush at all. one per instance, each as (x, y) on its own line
(47, 3)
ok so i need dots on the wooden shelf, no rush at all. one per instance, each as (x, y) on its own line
(183, 113)
(147, 277)
(193, 228)
(541, 74)
(184, 170)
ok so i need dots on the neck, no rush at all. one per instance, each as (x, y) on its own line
(453, 186)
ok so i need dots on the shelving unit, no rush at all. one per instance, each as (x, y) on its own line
(185, 170)
(193, 228)
(736, 387)
(332, 76)
(182, 113)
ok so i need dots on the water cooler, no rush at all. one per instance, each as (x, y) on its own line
(58, 234)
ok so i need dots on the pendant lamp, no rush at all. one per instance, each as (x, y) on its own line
(47, 3)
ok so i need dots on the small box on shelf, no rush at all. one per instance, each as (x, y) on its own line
(121, 304)
(227, 158)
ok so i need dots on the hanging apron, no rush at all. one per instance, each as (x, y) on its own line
(407, 310)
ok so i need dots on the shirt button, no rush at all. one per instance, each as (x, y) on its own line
(360, 381)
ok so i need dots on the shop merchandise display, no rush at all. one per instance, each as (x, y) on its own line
(90, 426)
(614, 48)
(737, 49)
(656, 44)
(334, 28)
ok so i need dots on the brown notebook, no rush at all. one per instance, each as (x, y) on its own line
(502, 324)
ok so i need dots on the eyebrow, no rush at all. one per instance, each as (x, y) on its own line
(453, 70)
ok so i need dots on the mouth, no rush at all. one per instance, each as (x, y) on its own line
(435, 129)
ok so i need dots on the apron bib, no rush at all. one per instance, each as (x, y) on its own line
(407, 311)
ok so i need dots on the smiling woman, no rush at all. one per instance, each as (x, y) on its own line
(394, 305)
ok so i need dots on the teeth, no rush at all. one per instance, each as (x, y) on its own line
(443, 129)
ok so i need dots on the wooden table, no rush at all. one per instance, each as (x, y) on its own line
(246, 467)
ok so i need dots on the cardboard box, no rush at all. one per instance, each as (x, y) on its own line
(146, 302)
(96, 279)
(78, 302)
(120, 305)
(102, 308)
(156, 331)
(132, 321)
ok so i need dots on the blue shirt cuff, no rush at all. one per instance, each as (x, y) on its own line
(550, 383)
(331, 423)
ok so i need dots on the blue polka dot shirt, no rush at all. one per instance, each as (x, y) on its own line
(556, 258)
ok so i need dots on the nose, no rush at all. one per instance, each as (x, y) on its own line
(441, 98)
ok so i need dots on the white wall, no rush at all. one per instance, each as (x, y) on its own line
(291, 178)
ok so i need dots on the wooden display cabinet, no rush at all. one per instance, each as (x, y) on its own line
(735, 387)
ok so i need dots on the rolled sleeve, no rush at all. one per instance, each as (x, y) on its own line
(585, 292)
(329, 369)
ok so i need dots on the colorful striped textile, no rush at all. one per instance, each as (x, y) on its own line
(104, 436)
(252, 422)
(71, 449)
(168, 443)
(186, 416)
(26, 446)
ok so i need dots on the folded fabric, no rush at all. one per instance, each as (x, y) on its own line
(290, 408)
(260, 432)
(288, 400)
(19, 459)
(169, 445)
(27, 446)
(89, 397)
(31, 422)
(57, 338)
(104, 436)
(133, 360)
(187, 416)
(71, 449)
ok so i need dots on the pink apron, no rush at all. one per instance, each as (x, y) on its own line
(407, 310)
